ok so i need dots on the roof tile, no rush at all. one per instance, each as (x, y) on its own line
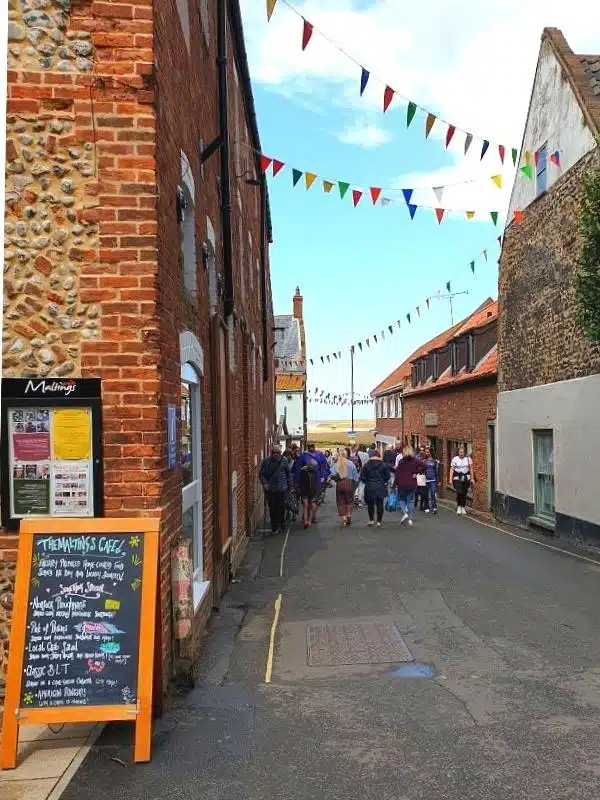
(289, 383)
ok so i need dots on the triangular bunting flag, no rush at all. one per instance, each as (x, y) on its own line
(408, 193)
(448, 285)
(343, 187)
(439, 212)
(296, 175)
(327, 186)
(307, 32)
(388, 96)
(312, 365)
(555, 158)
(494, 216)
(360, 346)
(270, 8)
(429, 123)
(515, 155)
(527, 157)
(497, 180)
(526, 170)
(322, 360)
(367, 343)
(470, 214)
(329, 362)
(408, 317)
(485, 254)
(383, 334)
(500, 240)
(385, 201)
(484, 149)
(410, 113)
(375, 337)
(502, 152)
(427, 301)
(418, 311)
(277, 166)
(335, 356)
(309, 178)
(391, 328)
(356, 195)
(473, 267)
(398, 321)
(265, 163)
(468, 140)
(375, 192)
(412, 210)
(450, 133)
(439, 192)
(536, 157)
(364, 79)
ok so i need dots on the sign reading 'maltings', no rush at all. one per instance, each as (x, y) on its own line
(83, 620)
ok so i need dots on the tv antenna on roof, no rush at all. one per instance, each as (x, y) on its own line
(448, 297)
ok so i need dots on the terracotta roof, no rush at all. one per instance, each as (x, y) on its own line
(289, 383)
(402, 373)
(483, 316)
(591, 67)
(487, 367)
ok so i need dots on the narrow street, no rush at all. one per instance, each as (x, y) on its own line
(508, 629)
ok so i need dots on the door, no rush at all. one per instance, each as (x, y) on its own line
(491, 454)
(222, 539)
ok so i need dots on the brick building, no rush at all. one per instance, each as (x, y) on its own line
(549, 374)
(138, 230)
(444, 395)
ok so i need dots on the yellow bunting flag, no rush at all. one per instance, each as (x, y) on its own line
(270, 8)
(327, 186)
(497, 180)
(429, 123)
(527, 157)
(310, 178)
(470, 214)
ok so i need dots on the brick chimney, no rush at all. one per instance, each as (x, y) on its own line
(298, 300)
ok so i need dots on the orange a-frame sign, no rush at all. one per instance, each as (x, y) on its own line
(82, 637)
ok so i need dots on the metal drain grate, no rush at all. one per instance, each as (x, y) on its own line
(347, 644)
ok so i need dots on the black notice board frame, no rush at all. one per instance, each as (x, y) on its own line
(51, 393)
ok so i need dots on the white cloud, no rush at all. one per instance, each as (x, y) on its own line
(471, 63)
(365, 135)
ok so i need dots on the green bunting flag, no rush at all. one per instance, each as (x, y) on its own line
(494, 216)
(526, 170)
(515, 155)
(408, 317)
(410, 113)
(473, 267)
(296, 175)
(343, 187)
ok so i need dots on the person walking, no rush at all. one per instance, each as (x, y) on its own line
(276, 478)
(407, 469)
(306, 474)
(389, 457)
(345, 475)
(461, 478)
(375, 475)
(432, 472)
(421, 494)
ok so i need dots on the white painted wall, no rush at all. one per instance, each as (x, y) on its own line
(295, 411)
(555, 117)
(570, 408)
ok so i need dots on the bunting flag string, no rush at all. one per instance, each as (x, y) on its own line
(390, 93)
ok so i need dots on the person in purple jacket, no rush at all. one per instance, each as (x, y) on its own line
(407, 469)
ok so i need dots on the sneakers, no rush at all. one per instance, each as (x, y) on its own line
(427, 511)
(458, 511)
(409, 523)
(379, 524)
(370, 523)
(404, 518)
(461, 510)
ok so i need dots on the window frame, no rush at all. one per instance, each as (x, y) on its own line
(541, 513)
(541, 170)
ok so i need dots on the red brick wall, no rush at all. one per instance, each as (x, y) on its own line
(463, 414)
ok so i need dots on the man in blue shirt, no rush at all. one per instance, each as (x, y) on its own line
(311, 454)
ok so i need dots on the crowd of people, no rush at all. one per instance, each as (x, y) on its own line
(361, 477)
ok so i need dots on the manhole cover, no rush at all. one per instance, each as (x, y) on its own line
(346, 644)
(413, 670)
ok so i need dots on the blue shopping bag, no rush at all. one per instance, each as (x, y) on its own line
(392, 501)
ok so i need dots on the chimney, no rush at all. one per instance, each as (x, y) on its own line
(298, 300)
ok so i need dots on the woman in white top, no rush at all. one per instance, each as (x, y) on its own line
(461, 477)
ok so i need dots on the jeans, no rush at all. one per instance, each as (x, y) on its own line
(432, 489)
(371, 509)
(406, 501)
(421, 497)
(461, 487)
(276, 501)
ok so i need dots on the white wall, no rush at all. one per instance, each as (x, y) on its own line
(570, 408)
(295, 411)
(555, 117)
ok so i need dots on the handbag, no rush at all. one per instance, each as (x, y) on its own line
(392, 501)
(421, 480)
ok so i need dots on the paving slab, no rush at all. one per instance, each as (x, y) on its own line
(38, 789)
(42, 759)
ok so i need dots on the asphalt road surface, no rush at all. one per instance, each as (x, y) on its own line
(499, 697)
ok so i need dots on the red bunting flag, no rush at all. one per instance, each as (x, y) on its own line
(555, 158)
(439, 212)
(307, 32)
(518, 217)
(277, 166)
(375, 192)
(388, 96)
(502, 151)
(450, 134)
(356, 195)
(536, 157)
(265, 163)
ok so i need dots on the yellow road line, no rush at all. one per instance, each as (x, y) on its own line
(271, 654)
(285, 541)
(532, 541)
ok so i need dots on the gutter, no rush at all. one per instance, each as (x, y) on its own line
(225, 187)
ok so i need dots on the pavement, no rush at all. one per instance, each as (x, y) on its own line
(453, 659)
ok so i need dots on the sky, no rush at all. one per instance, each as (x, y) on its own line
(362, 269)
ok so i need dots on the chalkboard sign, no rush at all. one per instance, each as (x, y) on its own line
(83, 626)
(83, 620)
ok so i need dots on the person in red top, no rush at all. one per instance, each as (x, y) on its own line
(407, 469)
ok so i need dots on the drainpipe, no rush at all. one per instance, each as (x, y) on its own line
(228, 300)
(263, 282)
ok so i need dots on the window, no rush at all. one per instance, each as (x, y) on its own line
(187, 227)
(414, 439)
(543, 460)
(184, 19)
(471, 353)
(541, 170)
(453, 358)
(191, 460)
(289, 397)
(436, 366)
(205, 20)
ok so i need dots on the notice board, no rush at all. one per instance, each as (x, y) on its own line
(82, 637)
(51, 442)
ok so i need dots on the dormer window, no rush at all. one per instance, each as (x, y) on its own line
(436, 366)
(454, 358)
(471, 358)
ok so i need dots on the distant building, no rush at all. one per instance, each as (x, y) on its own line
(549, 374)
(444, 395)
(290, 375)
